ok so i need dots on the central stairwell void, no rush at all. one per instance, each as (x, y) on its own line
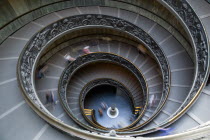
(106, 97)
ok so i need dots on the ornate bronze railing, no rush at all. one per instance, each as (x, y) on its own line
(94, 58)
(89, 115)
(55, 50)
(33, 50)
(200, 43)
(104, 81)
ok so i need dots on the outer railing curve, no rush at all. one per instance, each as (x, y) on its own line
(32, 52)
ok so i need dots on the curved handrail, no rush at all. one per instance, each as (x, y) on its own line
(32, 51)
(200, 44)
(93, 58)
(92, 120)
(55, 50)
(102, 81)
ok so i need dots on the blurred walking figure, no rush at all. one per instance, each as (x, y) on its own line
(69, 58)
(86, 50)
(104, 106)
(50, 98)
(165, 131)
(53, 101)
(152, 100)
(100, 111)
(142, 49)
(47, 98)
(121, 124)
(41, 71)
(133, 117)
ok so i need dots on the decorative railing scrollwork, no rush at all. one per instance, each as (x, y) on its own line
(94, 58)
(33, 50)
(200, 44)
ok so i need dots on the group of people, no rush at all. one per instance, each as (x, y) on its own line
(86, 50)
(44, 68)
(69, 58)
(50, 98)
(104, 107)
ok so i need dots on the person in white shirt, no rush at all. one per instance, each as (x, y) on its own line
(69, 58)
(86, 50)
(152, 100)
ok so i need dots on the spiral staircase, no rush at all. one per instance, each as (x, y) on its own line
(147, 60)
